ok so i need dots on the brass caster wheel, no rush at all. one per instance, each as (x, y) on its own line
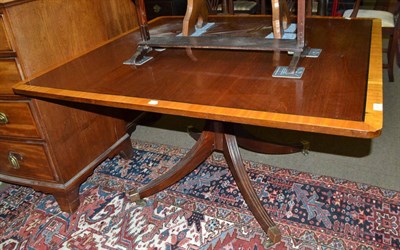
(306, 147)
(268, 243)
(133, 195)
(274, 234)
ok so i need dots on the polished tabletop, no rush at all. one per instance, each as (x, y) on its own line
(340, 92)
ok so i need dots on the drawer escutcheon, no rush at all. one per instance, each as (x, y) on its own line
(157, 8)
(3, 118)
(14, 159)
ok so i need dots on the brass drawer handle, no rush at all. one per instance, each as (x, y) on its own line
(3, 118)
(156, 8)
(14, 159)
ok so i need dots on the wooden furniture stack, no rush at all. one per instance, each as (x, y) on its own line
(50, 145)
(226, 87)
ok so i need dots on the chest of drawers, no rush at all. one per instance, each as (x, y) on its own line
(54, 146)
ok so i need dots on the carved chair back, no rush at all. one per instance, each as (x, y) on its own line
(390, 26)
(232, 6)
(212, 6)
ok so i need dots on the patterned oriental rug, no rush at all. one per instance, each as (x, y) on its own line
(203, 211)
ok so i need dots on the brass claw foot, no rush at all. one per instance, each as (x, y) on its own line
(141, 203)
(274, 234)
(267, 244)
(133, 195)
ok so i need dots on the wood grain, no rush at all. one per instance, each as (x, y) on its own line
(9, 75)
(20, 120)
(374, 116)
(73, 131)
(196, 15)
(7, 3)
(45, 34)
(73, 183)
(237, 86)
(215, 137)
(69, 35)
(33, 165)
(4, 40)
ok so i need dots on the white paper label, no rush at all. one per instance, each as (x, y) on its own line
(378, 107)
(153, 102)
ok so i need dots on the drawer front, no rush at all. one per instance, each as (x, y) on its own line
(5, 44)
(16, 120)
(24, 160)
(9, 75)
(156, 8)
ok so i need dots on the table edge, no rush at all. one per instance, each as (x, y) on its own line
(369, 128)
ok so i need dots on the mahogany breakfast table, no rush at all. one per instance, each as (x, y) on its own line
(340, 92)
